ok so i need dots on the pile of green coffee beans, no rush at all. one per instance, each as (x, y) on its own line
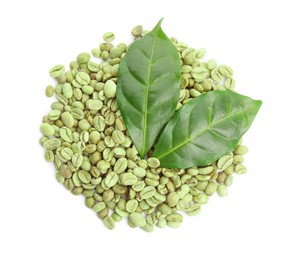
(85, 137)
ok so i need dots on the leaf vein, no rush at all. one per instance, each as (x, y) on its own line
(159, 78)
(146, 99)
(217, 134)
(133, 74)
(144, 54)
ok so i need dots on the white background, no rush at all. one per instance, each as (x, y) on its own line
(40, 219)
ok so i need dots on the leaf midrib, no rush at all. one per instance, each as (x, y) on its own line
(146, 99)
(201, 132)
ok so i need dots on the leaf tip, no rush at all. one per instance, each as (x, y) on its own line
(159, 23)
(259, 103)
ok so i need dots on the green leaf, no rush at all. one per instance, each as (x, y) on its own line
(148, 87)
(205, 128)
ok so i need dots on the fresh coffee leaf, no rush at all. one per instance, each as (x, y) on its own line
(205, 128)
(148, 87)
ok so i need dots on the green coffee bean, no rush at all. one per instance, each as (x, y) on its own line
(108, 195)
(59, 178)
(90, 202)
(211, 64)
(147, 192)
(77, 190)
(108, 222)
(228, 180)
(94, 137)
(49, 156)
(203, 177)
(222, 190)
(116, 217)
(110, 119)
(94, 104)
(83, 78)
(119, 152)
(77, 160)
(103, 213)
(132, 153)
(199, 73)
(148, 227)
(86, 89)
(111, 179)
(84, 125)
(174, 220)
(67, 153)
(131, 205)
(229, 170)
(107, 154)
(96, 52)
(104, 55)
(76, 180)
(57, 106)
(52, 144)
(139, 172)
(128, 179)
(162, 223)
(201, 198)
(65, 171)
(49, 91)
(240, 150)
(205, 170)
(137, 30)
(67, 90)
(160, 198)
(225, 71)
(66, 134)
(47, 130)
(103, 166)
(138, 186)
(114, 53)
(240, 169)
(193, 210)
(118, 136)
(207, 85)
(216, 76)
(229, 83)
(238, 159)
(137, 219)
(153, 162)
(84, 176)
(92, 66)
(121, 165)
(54, 114)
(57, 71)
(165, 209)
(151, 182)
(83, 58)
(99, 123)
(200, 53)
(225, 161)
(62, 99)
(109, 89)
(99, 206)
(67, 119)
(172, 199)
(211, 188)
(108, 37)
(77, 113)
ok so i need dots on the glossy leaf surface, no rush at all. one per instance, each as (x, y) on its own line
(205, 128)
(148, 87)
